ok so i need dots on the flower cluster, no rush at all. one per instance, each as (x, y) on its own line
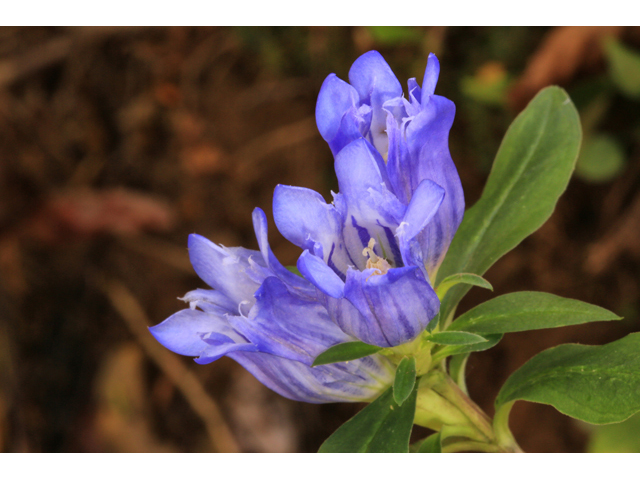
(369, 259)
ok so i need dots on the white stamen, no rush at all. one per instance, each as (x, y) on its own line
(374, 260)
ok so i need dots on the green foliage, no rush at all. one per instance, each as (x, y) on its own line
(491, 341)
(431, 444)
(405, 379)
(621, 437)
(521, 311)
(457, 278)
(596, 384)
(601, 159)
(390, 36)
(344, 352)
(381, 427)
(530, 172)
(624, 67)
(456, 338)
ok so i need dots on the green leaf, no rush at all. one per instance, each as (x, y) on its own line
(624, 67)
(431, 444)
(455, 338)
(530, 172)
(466, 278)
(521, 311)
(601, 159)
(596, 384)
(492, 341)
(405, 379)
(344, 352)
(295, 270)
(433, 323)
(381, 427)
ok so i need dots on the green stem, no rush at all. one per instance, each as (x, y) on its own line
(448, 389)
(504, 437)
(470, 446)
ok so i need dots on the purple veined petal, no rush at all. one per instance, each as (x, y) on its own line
(424, 205)
(369, 208)
(227, 269)
(305, 219)
(183, 333)
(292, 280)
(398, 162)
(357, 381)
(397, 305)
(428, 141)
(321, 275)
(431, 74)
(336, 97)
(376, 83)
(287, 325)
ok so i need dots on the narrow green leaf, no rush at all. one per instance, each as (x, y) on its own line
(345, 352)
(431, 444)
(381, 427)
(295, 270)
(455, 338)
(624, 67)
(466, 278)
(405, 379)
(521, 311)
(530, 172)
(596, 384)
(433, 323)
(492, 341)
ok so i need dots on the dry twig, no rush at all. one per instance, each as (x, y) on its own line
(203, 405)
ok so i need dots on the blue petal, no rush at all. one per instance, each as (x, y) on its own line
(431, 74)
(335, 99)
(356, 381)
(376, 83)
(236, 272)
(211, 301)
(293, 281)
(304, 218)
(288, 326)
(369, 208)
(183, 333)
(320, 275)
(424, 205)
(397, 306)
(428, 142)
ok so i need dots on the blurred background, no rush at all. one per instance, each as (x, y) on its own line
(116, 143)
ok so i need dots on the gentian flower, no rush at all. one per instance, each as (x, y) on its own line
(373, 253)
(268, 320)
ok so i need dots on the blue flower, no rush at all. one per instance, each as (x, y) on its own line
(268, 320)
(374, 252)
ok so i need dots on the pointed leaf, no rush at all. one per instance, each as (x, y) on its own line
(530, 172)
(431, 444)
(596, 384)
(521, 311)
(455, 338)
(466, 278)
(492, 340)
(381, 427)
(345, 352)
(405, 379)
